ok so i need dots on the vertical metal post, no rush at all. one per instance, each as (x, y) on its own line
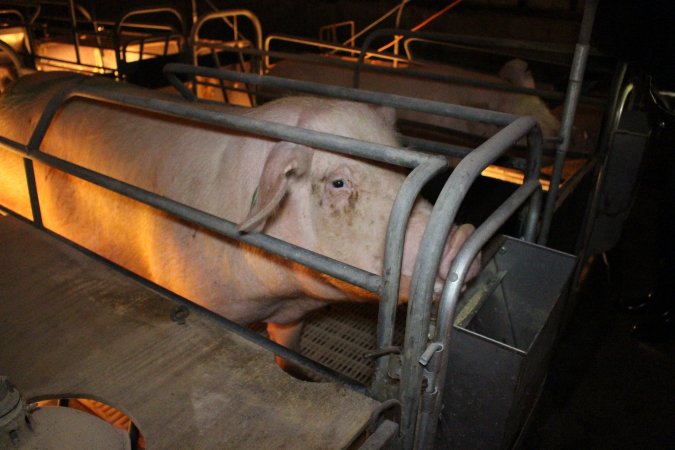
(393, 257)
(73, 24)
(32, 192)
(571, 102)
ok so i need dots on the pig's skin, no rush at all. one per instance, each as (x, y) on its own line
(233, 176)
(514, 73)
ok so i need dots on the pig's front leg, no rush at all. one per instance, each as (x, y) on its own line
(289, 336)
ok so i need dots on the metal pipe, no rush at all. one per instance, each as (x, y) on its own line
(546, 94)
(337, 269)
(395, 101)
(194, 33)
(73, 24)
(571, 102)
(393, 257)
(319, 44)
(33, 193)
(396, 8)
(535, 143)
(149, 11)
(426, 267)
(340, 144)
(446, 313)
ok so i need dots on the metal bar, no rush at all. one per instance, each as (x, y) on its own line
(456, 151)
(344, 145)
(535, 143)
(426, 267)
(194, 33)
(337, 269)
(381, 437)
(15, 12)
(485, 42)
(141, 12)
(393, 257)
(571, 102)
(396, 9)
(451, 292)
(245, 332)
(315, 261)
(546, 94)
(322, 45)
(395, 101)
(441, 148)
(32, 192)
(73, 24)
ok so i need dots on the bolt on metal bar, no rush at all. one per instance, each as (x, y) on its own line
(359, 95)
(440, 222)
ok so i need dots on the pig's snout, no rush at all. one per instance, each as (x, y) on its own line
(458, 235)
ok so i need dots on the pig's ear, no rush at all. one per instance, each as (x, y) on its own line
(286, 160)
(516, 73)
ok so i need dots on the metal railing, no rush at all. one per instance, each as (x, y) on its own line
(424, 168)
(433, 241)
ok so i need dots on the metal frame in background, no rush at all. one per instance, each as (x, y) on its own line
(167, 35)
(105, 36)
(238, 43)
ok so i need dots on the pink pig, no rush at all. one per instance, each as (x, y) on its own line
(335, 205)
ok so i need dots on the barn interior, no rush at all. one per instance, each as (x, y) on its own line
(588, 363)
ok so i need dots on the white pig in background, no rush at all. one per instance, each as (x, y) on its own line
(513, 73)
(334, 205)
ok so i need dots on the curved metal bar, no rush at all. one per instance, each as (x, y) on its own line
(16, 61)
(451, 292)
(398, 8)
(16, 12)
(440, 222)
(141, 12)
(121, 51)
(196, 28)
(393, 257)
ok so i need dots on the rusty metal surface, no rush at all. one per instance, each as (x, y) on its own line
(70, 326)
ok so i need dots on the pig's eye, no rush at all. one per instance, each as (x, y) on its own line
(339, 183)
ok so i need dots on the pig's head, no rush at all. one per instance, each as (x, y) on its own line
(336, 205)
(516, 73)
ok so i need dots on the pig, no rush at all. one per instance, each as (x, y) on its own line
(335, 205)
(513, 73)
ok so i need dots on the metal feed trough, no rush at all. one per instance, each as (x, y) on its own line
(425, 358)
